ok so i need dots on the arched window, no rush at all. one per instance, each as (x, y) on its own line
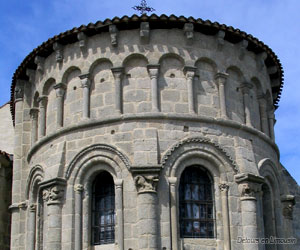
(103, 210)
(196, 216)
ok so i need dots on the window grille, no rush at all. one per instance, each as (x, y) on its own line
(196, 206)
(103, 210)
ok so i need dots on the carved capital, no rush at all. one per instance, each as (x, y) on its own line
(53, 191)
(43, 101)
(146, 183)
(153, 70)
(245, 87)
(172, 181)
(189, 72)
(224, 187)
(113, 34)
(221, 78)
(78, 188)
(288, 203)
(34, 113)
(189, 30)
(60, 89)
(119, 183)
(58, 48)
(118, 72)
(32, 208)
(85, 81)
(249, 185)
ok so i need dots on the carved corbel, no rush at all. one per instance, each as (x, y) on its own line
(145, 31)
(113, 34)
(82, 38)
(31, 74)
(272, 70)
(146, 183)
(243, 47)
(39, 61)
(288, 202)
(189, 31)
(19, 90)
(220, 39)
(260, 60)
(58, 48)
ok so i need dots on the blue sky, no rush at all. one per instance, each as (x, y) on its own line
(26, 24)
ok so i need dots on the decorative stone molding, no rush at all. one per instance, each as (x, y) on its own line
(288, 202)
(53, 190)
(220, 39)
(39, 61)
(249, 185)
(188, 29)
(113, 34)
(221, 78)
(198, 140)
(82, 38)
(146, 184)
(243, 49)
(58, 48)
(78, 188)
(17, 206)
(145, 31)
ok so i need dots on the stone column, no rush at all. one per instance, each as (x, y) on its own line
(271, 118)
(189, 73)
(85, 83)
(249, 185)
(60, 89)
(78, 189)
(31, 226)
(225, 214)
(153, 72)
(174, 228)
(245, 90)
(53, 195)
(43, 108)
(262, 102)
(221, 80)
(119, 210)
(147, 211)
(118, 73)
(34, 124)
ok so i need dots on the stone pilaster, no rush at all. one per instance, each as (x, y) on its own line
(60, 90)
(288, 203)
(31, 227)
(246, 91)
(34, 112)
(85, 84)
(53, 195)
(42, 110)
(224, 187)
(190, 73)
(153, 72)
(249, 186)
(221, 80)
(174, 228)
(118, 74)
(262, 102)
(271, 118)
(146, 180)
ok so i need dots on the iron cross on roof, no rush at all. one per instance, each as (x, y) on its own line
(143, 8)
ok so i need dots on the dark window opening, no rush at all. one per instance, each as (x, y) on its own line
(103, 210)
(196, 210)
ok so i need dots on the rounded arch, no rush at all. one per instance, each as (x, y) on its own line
(99, 61)
(94, 154)
(208, 61)
(269, 97)
(256, 82)
(47, 86)
(171, 55)
(238, 72)
(68, 73)
(194, 151)
(134, 56)
(36, 175)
